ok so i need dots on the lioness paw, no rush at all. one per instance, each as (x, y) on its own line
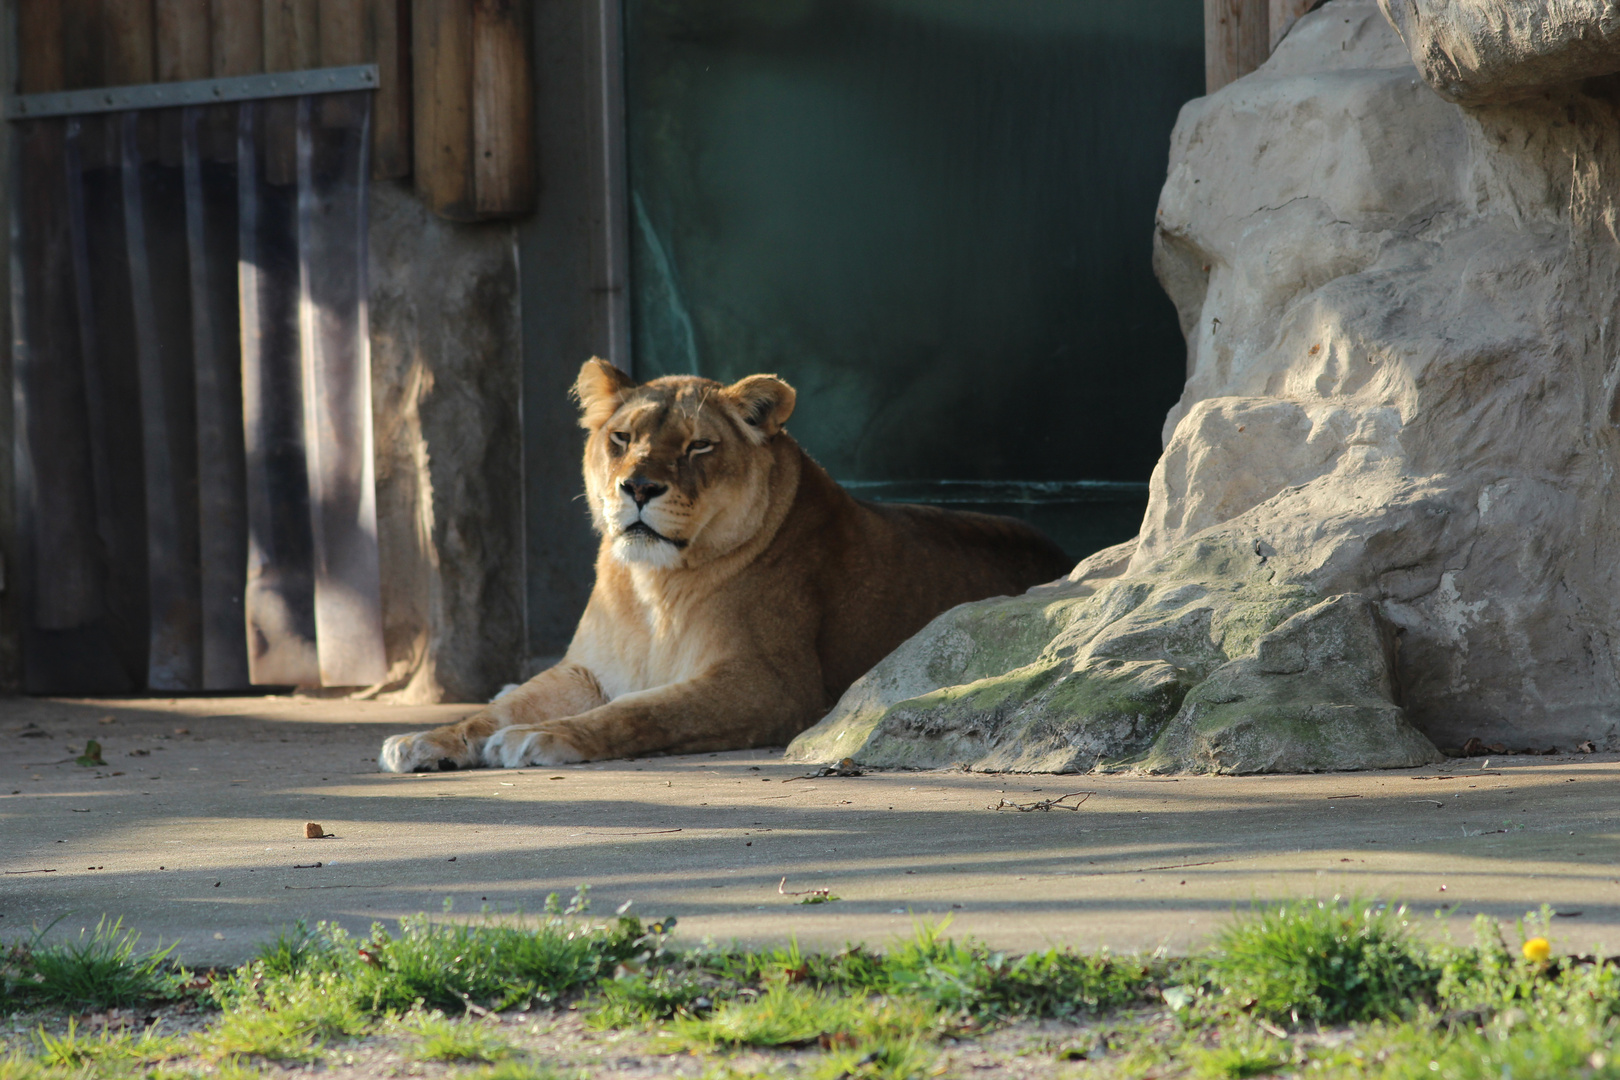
(413, 753)
(514, 747)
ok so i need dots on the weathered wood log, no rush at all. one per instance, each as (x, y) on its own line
(39, 40)
(291, 43)
(292, 35)
(341, 33)
(503, 121)
(441, 58)
(474, 109)
(82, 61)
(238, 37)
(1237, 39)
(342, 41)
(182, 32)
(127, 50)
(388, 44)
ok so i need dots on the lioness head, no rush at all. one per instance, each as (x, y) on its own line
(677, 470)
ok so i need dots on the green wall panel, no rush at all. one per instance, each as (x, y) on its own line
(933, 217)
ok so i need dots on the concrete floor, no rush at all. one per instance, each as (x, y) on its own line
(193, 831)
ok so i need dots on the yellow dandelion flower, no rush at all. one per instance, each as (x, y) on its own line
(1537, 949)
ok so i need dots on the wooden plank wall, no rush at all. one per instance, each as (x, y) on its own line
(70, 44)
(474, 111)
(183, 48)
(1237, 39)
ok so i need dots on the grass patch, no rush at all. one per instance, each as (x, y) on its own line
(513, 1070)
(1324, 961)
(797, 1015)
(294, 951)
(640, 998)
(494, 963)
(960, 976)
(102, 968)
(435, 1037)
(1332, 989)
(886, 1059)
(290, 1020)
(111, 1046)
(1241, 1054)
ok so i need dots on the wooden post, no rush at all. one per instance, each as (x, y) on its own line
(183, 50)
(474, 112)
(388, 43)
(1236, 39)
(126, 41)
(39, 52)
(82, 61)
(503, 120)
(1284, 13)
(238, 37)
(441, 58)
(292, 35)
(342, 39)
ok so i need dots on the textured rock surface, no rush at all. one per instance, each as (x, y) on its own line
(1491, 51)
(1316, 693)
(1403, 384)
(445, 351)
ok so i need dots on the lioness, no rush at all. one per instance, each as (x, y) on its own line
(739, 589)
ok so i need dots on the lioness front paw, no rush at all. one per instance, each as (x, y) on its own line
(414, 753)
(515, 747)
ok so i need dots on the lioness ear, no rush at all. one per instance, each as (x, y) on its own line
(600, 389)
(764, 401)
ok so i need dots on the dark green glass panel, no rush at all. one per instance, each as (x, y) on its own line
(933, 217)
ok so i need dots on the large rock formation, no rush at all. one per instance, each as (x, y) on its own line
(1478, 52)
(1381, 521)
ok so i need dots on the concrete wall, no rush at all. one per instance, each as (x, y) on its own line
(446, 370)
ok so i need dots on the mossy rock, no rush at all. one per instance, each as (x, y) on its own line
(1206, 661)
(1316, 695)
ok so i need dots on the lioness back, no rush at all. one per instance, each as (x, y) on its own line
(893, 567)
(739, 590)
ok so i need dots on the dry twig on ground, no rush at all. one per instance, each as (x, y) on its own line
(1044, 805)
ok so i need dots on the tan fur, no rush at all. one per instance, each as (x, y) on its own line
(763, 590)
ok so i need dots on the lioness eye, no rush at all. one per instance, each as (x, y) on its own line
(699, 446)
(620, 438)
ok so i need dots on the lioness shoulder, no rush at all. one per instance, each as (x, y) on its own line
(739, 590)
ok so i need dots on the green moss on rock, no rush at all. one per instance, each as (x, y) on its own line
(1210, 660)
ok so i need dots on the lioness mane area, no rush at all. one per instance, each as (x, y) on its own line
(739, 590)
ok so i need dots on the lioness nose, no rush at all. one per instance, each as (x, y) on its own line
(642, 490)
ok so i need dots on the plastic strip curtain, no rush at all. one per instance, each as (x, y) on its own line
(194, 460)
